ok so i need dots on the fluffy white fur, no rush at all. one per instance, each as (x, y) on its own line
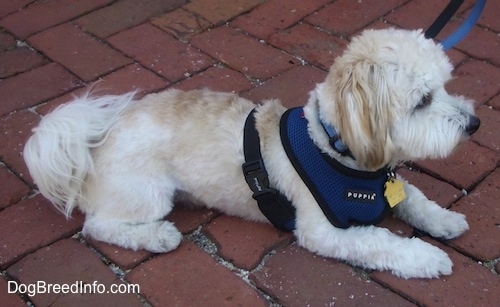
(123, 162)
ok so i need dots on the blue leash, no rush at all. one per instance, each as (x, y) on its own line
(464, 28)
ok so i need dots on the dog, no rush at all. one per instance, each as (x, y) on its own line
(124, 162)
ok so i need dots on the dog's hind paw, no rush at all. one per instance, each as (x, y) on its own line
(167, 239)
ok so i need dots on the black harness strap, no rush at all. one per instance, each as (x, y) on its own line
(276, 207)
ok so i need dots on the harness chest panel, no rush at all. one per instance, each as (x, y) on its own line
(345, 195)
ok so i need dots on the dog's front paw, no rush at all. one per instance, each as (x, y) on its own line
(423, 260)
(450, 225)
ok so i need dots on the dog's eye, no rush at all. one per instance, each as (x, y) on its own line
(425, 101)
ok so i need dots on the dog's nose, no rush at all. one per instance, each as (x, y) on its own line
(473, 125)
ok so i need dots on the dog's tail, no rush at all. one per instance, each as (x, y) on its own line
(58, 154)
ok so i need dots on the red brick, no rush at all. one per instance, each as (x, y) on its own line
(124, 14)
(220, 11)
(476, 80)
(19, 60)
(12, 6)
(296, 277)
(307, 42)
(243, 53)
(7, 41)
(482, 241)
(275, 15)
(13, 188)
(189, 276)
(244, 243)
(495, 102)
(456, 57)
(9, 299)
(488, 134)
(158, 51)
(181, 23)
(78, 52)
(489, 16)
(126, 259)
(130, 78)
(133, 77)
(217, 79)
(470, 284)
(15, 130)
(44, 83)
(465, 167)
(377, 25)
(292, 87)
(65, 263)
(35, 223)
(189, 219)
(45, 14)
(344, 17)
(397, 226)
(439, 191)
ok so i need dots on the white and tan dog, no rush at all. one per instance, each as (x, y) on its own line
(123, 162)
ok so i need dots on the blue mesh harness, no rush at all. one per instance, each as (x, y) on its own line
(345, 195)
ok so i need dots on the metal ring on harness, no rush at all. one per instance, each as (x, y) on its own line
(464, 28)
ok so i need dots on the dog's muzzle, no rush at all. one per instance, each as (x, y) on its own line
(472, 125)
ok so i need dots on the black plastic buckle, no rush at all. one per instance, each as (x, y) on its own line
(256, 177)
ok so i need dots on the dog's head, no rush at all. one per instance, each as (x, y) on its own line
(386, 97)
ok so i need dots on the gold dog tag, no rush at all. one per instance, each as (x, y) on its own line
(394, 192)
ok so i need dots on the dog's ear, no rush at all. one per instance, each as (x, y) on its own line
(363, 110)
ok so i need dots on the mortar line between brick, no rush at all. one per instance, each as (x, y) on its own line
(222, 22)
(24, 44)
(33, 192)
(415, 168)
(34, 250)
(24, 296)
(17, 11)
(71, 20)
(208, 246)
(265, 42)
(399, 293)
(135, 61)
(379, 18)
(440, 178)
(31, 108)
(471, 57)
(488, 264)
(197, 16)
(104, 42)
(113, 267)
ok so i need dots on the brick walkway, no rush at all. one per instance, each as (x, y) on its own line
(50, 50)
